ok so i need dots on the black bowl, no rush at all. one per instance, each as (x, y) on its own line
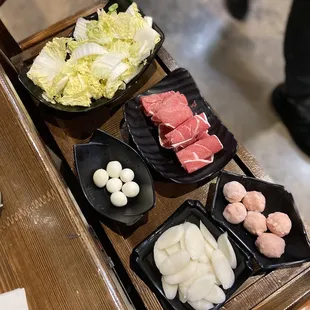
(297, 248)
(143, 264)
(37, 92)
(145, 134)
(92, 156)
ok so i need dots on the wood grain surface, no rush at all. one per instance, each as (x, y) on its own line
(283, 299)
(45, 246)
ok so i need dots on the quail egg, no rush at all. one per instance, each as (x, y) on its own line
(114, 185)
(118, 199)
(114, 169)
(127, 175)
(100, 178)
(131, 189)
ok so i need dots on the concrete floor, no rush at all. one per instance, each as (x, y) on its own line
(236, 66)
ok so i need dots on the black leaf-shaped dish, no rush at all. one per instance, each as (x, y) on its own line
(145, 134)
(143, 264)
(97, 154)
(297, 248)
(37, 92)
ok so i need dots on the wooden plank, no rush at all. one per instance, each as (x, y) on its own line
(289, 294)
(45, 246)
(302, 304)
(265, 287)
(56, 28)
(251, 164)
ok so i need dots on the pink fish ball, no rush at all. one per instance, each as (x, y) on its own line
(235, 213)
(255, 223)
(279, 223)
(254, 201)
(270, 245)
(234, 191)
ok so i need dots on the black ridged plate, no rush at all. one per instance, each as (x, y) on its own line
(142, 260)
(37, 92)
(297, 248)
(95, 155)
(145, 134)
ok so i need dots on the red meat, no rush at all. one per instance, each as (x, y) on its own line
(194, 165)
(203, 134)
(187, 133)
(199, 154)
(173, 112)
(213, 143)
(151, 102)
(162, 131)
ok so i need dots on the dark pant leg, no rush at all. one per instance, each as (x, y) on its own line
(297, 50)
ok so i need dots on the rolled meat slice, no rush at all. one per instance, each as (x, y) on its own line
(203, 134)
(187, 133)
(199, 154)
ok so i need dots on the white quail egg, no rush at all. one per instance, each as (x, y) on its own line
(114, 185)
(114, 169)
(100, 178)
(118, 199)
(127, 175)
(131, 189)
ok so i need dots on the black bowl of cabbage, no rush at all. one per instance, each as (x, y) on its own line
(120, 95)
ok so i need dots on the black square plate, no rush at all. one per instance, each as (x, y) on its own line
(297, 248)
(37, 92)
(143, 264)
(92, 156)
(145, 134)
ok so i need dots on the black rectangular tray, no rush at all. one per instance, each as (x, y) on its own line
(297, 250)
(142, 261)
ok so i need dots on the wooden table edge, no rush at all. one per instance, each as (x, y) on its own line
(115, 289)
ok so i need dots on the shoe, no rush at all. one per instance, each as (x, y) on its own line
(295, 114)
(237, 8)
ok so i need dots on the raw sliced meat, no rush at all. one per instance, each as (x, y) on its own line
(173, 112)
(186, 133)
(194, 165)
(214, 144)
(203, 134)
(166, 99)
(198, 150)
(199, 154)
(151, 102)
(162, 131)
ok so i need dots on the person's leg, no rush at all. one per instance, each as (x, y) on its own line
(237, 8)
(292, 100)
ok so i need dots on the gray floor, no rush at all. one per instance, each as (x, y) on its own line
(236, 66)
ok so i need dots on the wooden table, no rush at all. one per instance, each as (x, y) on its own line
(45, 245)
(279, 289)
